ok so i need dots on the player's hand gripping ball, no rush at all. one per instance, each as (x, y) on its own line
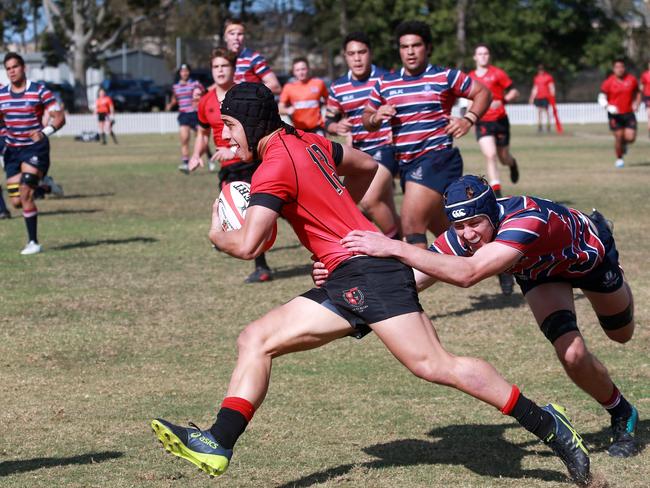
(232, 204)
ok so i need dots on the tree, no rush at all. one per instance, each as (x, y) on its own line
(83, 29)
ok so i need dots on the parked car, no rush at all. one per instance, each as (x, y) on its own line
(134, 95)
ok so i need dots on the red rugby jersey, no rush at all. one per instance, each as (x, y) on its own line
(209, 114)
(645, 79)
(497, 82)
(298, 179)
(620, 92)
(543, 81)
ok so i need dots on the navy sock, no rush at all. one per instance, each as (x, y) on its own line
(230, 424)
(31, 221)
(617, 405)
(260, 261)
(533, 418)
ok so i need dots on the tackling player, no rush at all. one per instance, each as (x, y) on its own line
(251, 65)
(222, 65)
(27, 153)
(185, 94)
(493, 129)
(347, 97)
(541, 94)
(416, 101)
(618, 95)
(298, 179)
(303, 98)
(550, 249)
(645, 92)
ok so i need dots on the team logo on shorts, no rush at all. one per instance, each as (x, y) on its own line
(354, 297)
(610, 279)
(33, 160)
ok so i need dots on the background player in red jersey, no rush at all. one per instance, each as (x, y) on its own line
(298, 178)
(222, 65)
(347, 97)
(416, 101)
(541, 94)
(619, 96)
(493, 129)
(551, 249)
(645, 93)
(251, 65)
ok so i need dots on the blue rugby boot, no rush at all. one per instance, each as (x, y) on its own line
(194, 445)
(568, 445)
(624, 443)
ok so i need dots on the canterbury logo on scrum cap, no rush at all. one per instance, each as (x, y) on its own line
(458, 213)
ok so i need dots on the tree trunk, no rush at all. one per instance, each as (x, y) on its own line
(79, 70)
(461, 36)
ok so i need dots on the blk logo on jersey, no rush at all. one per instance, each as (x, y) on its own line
(354, 297)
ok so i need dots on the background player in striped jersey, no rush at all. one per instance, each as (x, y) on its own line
(540, 95)
(645, 92)
(298, 178)
(27, 153)
(493, 128)
(303, 98)
(417, 101)
(222, 66)
(251, 65)
(550, 249)
(347, 98)
(619, 96)
(185, 94)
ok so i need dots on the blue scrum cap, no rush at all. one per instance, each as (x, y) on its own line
(470, 196)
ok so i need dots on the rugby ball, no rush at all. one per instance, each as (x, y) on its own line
(232, 204)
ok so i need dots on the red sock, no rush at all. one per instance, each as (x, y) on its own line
(514, 396)
(240, 405)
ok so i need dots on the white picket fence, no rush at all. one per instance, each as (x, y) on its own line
(165, 122)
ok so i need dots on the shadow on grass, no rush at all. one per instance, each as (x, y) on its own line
(496, 301)
(102, 242)
(87, 195)
(291, 271)
(644, 163)
(65, 212)
(24, 465)
(480, 448)
(599, 441)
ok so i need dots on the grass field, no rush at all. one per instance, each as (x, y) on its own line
(129, 315)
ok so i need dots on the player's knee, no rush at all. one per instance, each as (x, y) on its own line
(251, 340)
(29, 180)
(559, 323)
(576, 356)
(620, 326)
(432, 371)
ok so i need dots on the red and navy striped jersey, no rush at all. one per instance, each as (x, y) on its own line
(554, 240)
(183, 91)
(23, 112)
(423, 105)
(251, 66)
(348, 97)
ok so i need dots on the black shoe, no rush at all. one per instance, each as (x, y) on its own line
(568, 445)
(5, 215)
(514, 171)
(507, 283)
(260, 275)
(624, 443)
